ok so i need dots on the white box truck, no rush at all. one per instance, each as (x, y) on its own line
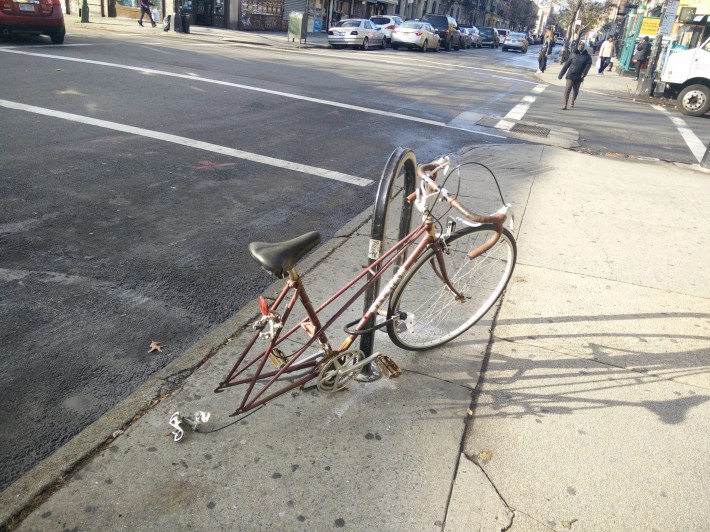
(686, 78)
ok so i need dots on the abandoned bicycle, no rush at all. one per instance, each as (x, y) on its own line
(445, 280)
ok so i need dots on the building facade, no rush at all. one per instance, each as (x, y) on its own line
(273, 14)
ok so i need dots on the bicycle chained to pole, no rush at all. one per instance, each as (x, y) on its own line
(448, 272)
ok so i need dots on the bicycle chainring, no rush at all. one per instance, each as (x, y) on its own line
(337, 371)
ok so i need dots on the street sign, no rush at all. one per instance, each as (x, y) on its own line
(669, 17)
(649, 26)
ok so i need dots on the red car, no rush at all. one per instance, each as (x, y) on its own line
(33, 17)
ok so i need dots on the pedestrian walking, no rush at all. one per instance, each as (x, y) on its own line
(145, 10)
(640, 58)
(613, 54)
(605, 52)
(545, 51)
(576, 68)
(597, 44)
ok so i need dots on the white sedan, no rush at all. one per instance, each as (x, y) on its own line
(356, 32)
(386, 23)
(412, 34)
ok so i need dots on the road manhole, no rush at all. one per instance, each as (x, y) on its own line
(528, 129)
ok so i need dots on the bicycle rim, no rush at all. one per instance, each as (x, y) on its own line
(434, 316)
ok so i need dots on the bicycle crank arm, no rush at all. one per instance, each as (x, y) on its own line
(340, 369)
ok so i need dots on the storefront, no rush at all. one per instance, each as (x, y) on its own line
(693, 33)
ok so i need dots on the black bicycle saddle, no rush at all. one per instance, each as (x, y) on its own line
(279, 257)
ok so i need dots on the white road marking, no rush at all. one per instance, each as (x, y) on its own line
(192, 143)
(691, 139)
(518, 112)
(192, 77)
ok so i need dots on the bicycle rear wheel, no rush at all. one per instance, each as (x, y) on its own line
(434, 315)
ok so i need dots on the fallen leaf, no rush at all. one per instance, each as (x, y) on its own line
(155, 346)
(568, 524)
(485, 455)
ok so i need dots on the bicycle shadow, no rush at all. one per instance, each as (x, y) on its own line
(566, 373)
(563, 374)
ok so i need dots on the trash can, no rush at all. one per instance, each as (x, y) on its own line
(186, 20)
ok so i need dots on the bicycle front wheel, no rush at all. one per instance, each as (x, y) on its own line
(434, 315)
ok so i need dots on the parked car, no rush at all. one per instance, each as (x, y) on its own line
(386, 23)
(502, 34)
(415, 35)
(489, 36)
(516, 41)
(475, 37)
(447, 30)
(356, 32)
(465, 38)
(36, 17)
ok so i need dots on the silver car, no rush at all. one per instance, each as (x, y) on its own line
(475, 37)
(415, 35)
(356, 32)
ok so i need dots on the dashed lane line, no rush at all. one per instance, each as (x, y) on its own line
(518, 112)
(192, 143)
(192, 77)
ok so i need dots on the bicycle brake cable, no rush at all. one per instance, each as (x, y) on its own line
(233, 422)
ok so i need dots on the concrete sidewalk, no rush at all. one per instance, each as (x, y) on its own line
(587, 408)
(197, 33)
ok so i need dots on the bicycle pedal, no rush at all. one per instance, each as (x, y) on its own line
(388, 367)
(277, 358)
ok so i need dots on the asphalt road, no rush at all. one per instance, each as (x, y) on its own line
(136, 172)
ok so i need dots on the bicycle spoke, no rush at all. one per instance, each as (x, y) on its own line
(434, 314)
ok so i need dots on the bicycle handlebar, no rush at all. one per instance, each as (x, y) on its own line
(427, 174)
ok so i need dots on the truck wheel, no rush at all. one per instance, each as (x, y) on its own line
(694, 100)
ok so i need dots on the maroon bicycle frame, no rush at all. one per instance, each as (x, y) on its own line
(314, 329)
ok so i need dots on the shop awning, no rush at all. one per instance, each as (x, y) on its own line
(700, 20)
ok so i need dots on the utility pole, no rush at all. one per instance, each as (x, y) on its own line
(84, 11)
(645, 85)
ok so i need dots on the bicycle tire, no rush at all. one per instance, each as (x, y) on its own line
(434, 316)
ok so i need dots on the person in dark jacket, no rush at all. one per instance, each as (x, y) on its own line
(643, 52)
(576, 68)
(145, 10)
(545, 51)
